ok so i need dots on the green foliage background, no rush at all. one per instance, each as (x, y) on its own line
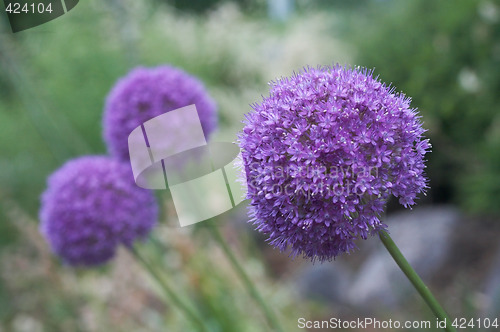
(446, 56)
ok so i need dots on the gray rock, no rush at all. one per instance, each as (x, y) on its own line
(492, 289)
(423, 236)
(323, 282)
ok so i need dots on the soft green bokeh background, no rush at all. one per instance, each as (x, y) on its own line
(54, 79)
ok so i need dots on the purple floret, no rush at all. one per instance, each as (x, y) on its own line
(145, 93)
(91, 206)
(323, 153)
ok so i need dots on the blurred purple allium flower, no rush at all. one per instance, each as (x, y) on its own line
(92, 205)
(145, 93)
(323, 153)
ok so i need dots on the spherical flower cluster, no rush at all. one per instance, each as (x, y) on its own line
(149, 92)
(91, 206)
(323, 153)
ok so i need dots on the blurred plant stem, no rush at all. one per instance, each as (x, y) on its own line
(169, 292)
(271, 318)
(416, 281)
(269, 314)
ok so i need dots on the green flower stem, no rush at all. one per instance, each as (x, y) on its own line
(270, 316)
(169, 293)
(417, 282)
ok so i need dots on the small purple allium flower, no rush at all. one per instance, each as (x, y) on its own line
(146, 93)
(323, 153)
(92, 205)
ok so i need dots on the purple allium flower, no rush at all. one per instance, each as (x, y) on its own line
(323, 153)
(92, 205)
(146, 93)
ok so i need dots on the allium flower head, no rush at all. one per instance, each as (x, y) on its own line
(323, 153)
(145, 93)
(92, 205)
